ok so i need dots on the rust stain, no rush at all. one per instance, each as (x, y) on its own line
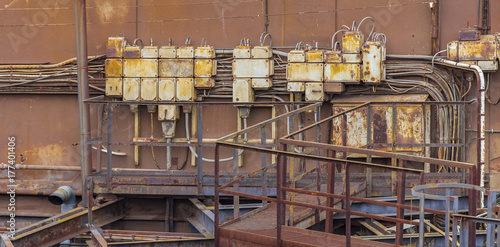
(333, 57)
(477, 50)
(114, 68)
(49, 155)
(203, 68)
(140, 68)
(204, 83)
(342, 72)
(352, 42)
(314, 56)
(115, 47)
(304, 72)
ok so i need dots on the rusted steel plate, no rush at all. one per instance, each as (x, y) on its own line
(352, 42)
(249, 68)
(342, 72)
(205, 67)
(477, 50)
(115, 47)
(304, 72)
(372, 62)
(114, 67)
(176, 68)
(315, 56)
(333, 57)
(140, 68)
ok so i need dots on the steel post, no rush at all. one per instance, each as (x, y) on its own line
(109, 169)
(216, 197)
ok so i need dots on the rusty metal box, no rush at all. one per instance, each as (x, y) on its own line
(342, 72)
(249, 68)
(314, 91)
(204, 83)
(205, 67)
(352, 42)
(452, 51)
(333, 57)
(295, 87)
(264, 52)
(314, 57)
(261, 83)
(297, 56)
(115, 46)
(469, 34)
(333, 87)
(176, 68)
(304, 72)
(168, 112)
(149, 52)
(351, 58)
(204, 52)
(149, 89)
(132, 52)
(140, 67)
(167, 52)
(131, 89)
(185, 52)
(166, 89)
(114, 87)
(242, 52)
(372, 62)
(185, 90)
(114, 67)
(242, 90)
(486, 66)
(477, 50)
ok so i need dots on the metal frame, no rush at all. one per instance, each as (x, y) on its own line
(282, 182)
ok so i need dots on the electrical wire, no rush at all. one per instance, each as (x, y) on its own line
(206, 159)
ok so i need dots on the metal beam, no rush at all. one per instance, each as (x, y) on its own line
(200, 217)
(67, 225)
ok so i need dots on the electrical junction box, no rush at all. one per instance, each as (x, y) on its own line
(176, 68)
(167, 89)
(185, 90)
(114, 87)
(113, 67)
(205, 68)
(373, 69)
(132, 52)
(261, 83)
(250, 68)
(343, 72)
(314, 91)
(140, 68)
(352, 42)
(297, 56)
(296, 87)
(167, 52)
(115, 47)
(168, 112)
(242, 52)
(242, 90)
(351, 58)
(304, 72)
(149, 89)
(207, 52)
(262, 52)
(185, 52)
(314, 57)
(333, 57)
(149, 52)
(204, 83)
(131, 89)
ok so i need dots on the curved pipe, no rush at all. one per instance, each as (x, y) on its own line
(65, 197)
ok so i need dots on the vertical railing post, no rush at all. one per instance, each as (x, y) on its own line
(490, 232)
(447, 219)
(200, 148)
(347, 205)
(99, 129)
(421, 225)
(109, 170)
(318, 164)
(216, 197)
(369, 183)
(264, 162)
(280, 193)
(330, 189)
(400, 213)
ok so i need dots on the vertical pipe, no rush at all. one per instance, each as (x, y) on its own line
(447, 219)
(465, 233)
(236, 163)
(137, 127)
(169, 154)
(200, 149)
(347, 205)
(99, 147)
(393, 143)
(109, 170)
(401, 201)
(216, 196)
(330, 189)
(421, 225)
(490, 234)
(435, 40)
(318, 165)
(266, 9)
(369, 184)
(194, 128)
(83, 91)
(264, 162)
(472, 209)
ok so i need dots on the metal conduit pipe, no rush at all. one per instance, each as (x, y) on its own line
(44, 66)
(65, 197)
(83, 92)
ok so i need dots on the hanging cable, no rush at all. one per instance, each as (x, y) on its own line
(212, 160)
